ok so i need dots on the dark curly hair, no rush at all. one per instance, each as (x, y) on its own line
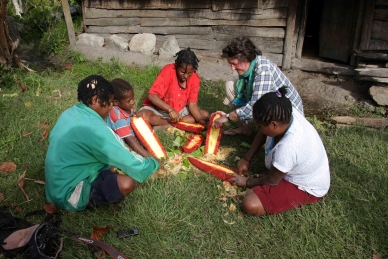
(120, 87)
(241, 48)
(94, 85)
(188, 57)
(273, 106)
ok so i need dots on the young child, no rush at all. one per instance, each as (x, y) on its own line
(82, 149)
(173, 96)
(119, 118)
(294, 154)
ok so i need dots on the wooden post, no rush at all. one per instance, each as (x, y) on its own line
(289, 39)
(69, 22)
(302, 30)
(357, 30)
(367, 26)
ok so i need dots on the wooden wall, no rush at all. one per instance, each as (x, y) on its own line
(379, 33)
(203, 25)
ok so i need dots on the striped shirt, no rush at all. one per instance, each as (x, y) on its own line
(120, 122)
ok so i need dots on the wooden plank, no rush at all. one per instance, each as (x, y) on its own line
(380, 30)
(374, 79)
(380, 15)
(200, 44)
(302, 30)
(269, 4)
(357, 30)
(237, 14)
(367, 24)
(105, 13)
(69, 22)
(273, 45)
(381, 2)
(113, 21)
(289, 39)
(378, 44)
(154, 4)
(372, 55)
(154, 30)
(322, 67)
(373, 72)
(227, 4)
(158, 22)
(251, 31)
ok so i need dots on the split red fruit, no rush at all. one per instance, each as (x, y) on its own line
(194, 142)
(190, 127)
(220, 171)
(147, 137)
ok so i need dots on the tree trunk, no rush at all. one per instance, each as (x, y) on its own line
(7, 47)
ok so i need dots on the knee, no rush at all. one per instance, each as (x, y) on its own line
(252, 208)
(126, 184)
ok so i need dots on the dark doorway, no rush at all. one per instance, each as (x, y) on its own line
(311, 39)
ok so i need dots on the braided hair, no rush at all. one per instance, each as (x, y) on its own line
(94, 85)
(120, 87)
(188, 57)
(242, 49)
(273, 106)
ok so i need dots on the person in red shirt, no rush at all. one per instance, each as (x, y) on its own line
(173, 96)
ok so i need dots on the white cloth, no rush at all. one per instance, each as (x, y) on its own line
(301, 154)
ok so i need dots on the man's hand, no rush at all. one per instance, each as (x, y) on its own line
(220, 121)
(239, 180)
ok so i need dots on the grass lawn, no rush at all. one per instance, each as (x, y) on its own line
(181, 216)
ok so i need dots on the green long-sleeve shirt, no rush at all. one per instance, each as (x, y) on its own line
(81, 145)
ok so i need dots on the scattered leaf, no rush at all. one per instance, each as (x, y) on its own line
(244, 144)
(8, 167)
(20, 184)
(59, 94)
(38, 90)
(49, 208)
(98, 253)
(1, 196)
(232, 207)
(230, 223)
(68, 66)
(99, 232)
(43, 124)
(10, 95)
(44, 135)
(16, 208)
(26, 134)
(28, 104)
(23, 87)
(35, 181)
(105, 44)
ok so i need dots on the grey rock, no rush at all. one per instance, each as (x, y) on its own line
(90, 40)
(379, 94)
(118, 42)
(143, 43)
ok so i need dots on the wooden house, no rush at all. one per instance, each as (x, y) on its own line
(331, 36)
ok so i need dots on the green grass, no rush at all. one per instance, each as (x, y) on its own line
(182, 217)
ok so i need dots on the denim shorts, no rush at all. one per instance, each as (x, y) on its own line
(105, 189)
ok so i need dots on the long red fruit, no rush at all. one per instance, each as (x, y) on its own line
(147, 137)
(213, 136)
(221, 172)
(190, 127)
(194, 142)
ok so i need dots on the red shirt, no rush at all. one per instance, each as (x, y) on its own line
(166, 86)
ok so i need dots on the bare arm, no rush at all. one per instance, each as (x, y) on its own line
(272, 178)
(196, 113)
(258, 142)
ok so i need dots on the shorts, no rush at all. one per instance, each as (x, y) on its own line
(164, 114)
(105, 189)
(282, 197)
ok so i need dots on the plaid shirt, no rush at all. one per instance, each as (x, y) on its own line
(268, 78)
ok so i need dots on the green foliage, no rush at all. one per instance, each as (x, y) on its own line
(55, 39)
(320, 125)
